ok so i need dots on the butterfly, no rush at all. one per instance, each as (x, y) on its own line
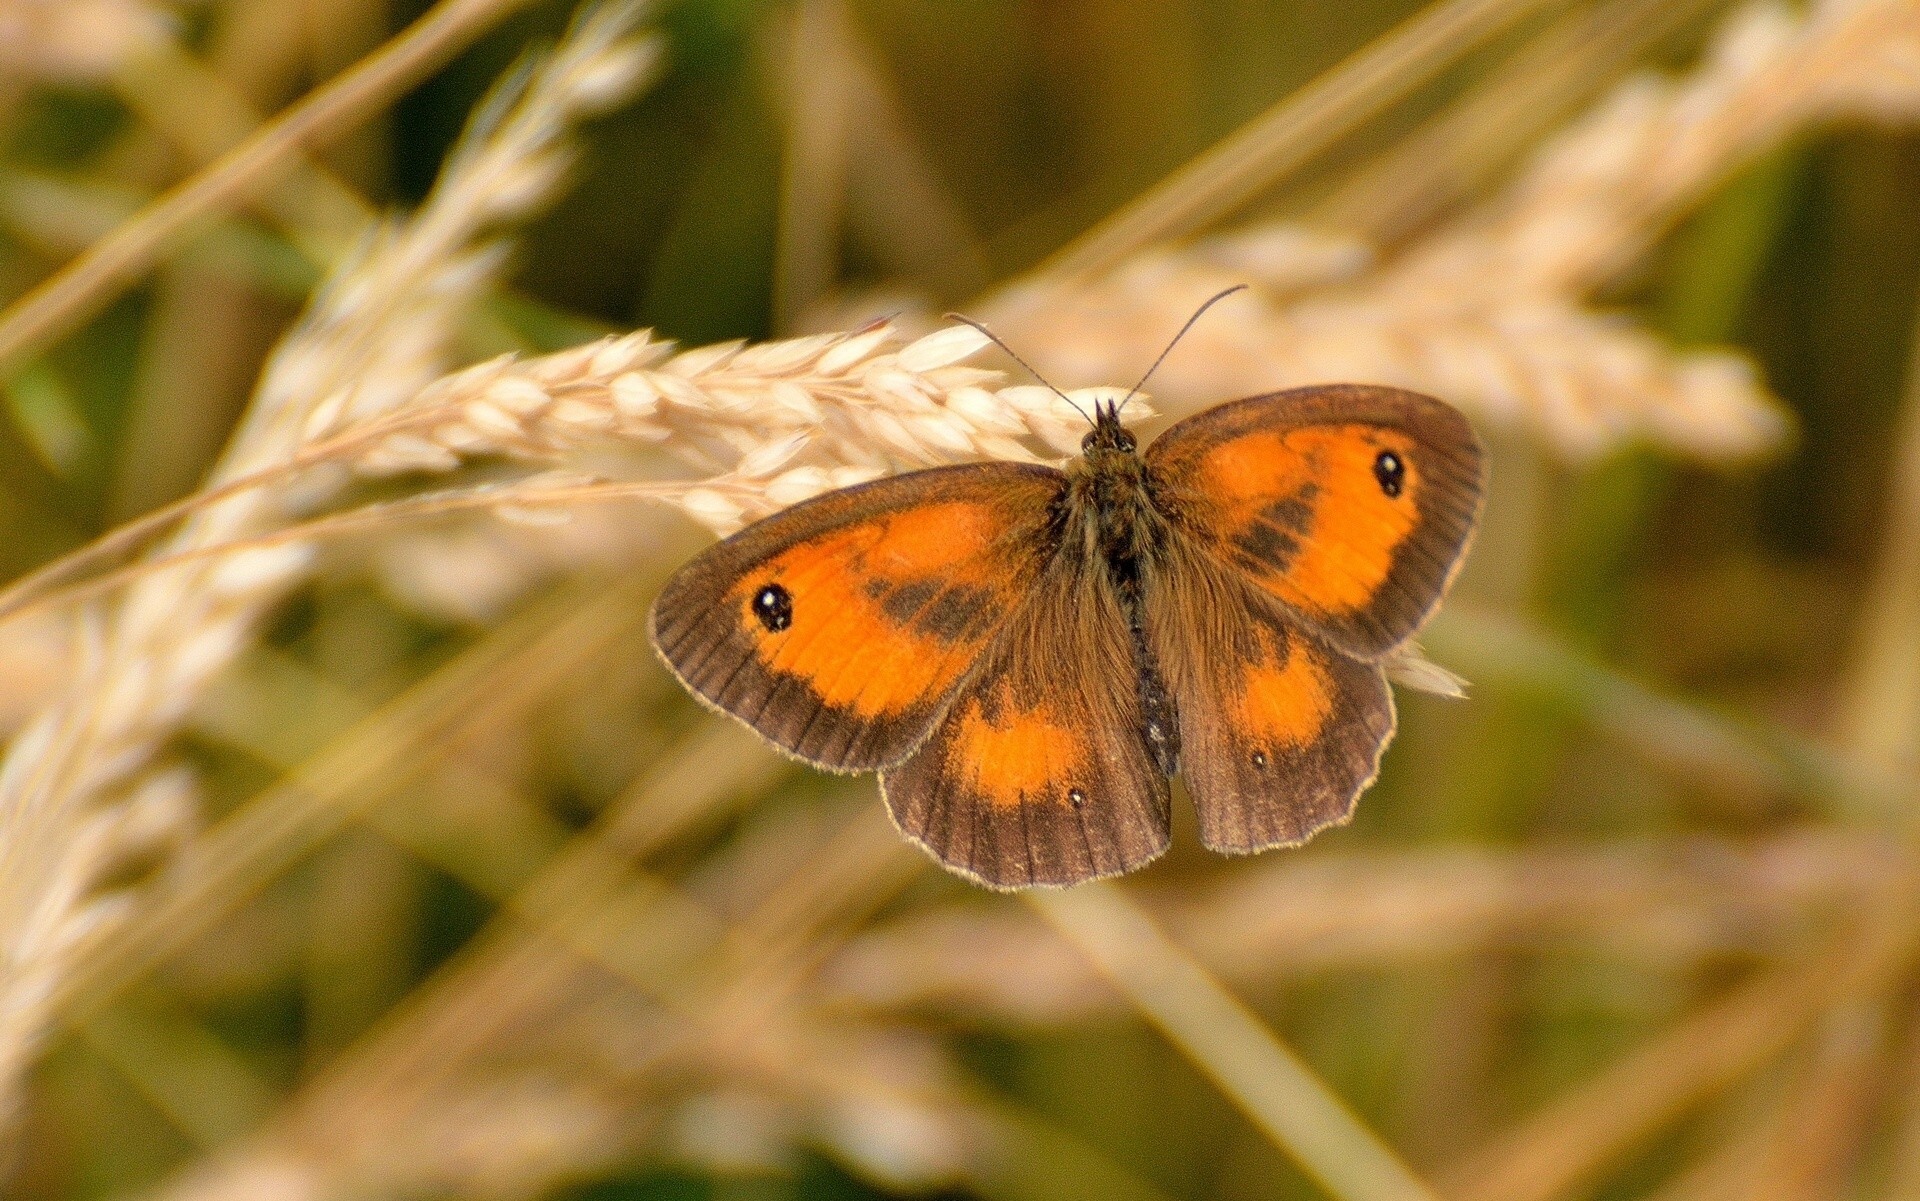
(1028, 654)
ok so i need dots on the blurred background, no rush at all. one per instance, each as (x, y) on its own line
(418, 876)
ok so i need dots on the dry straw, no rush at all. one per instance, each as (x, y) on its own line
(1491, 311)
(746, 431)
(1271, 922)
(81, 790)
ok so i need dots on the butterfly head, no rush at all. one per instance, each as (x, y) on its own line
(1107, 436)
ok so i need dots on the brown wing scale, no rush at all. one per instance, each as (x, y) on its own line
(839, 628)
(1280, 732)
(1038, 773)
(1351, 505)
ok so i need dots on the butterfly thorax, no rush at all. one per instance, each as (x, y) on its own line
(1108, 485)
(1113, 526)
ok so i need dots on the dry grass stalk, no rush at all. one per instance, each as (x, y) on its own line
(1464, 147)
(763, 426)
(123, 257)
(1571, 1140)
(1288, 134)
(1276, 920)
(1879, 718)
(522, 1011)
(75, 789)
(1277, 1091)
(1490, 311)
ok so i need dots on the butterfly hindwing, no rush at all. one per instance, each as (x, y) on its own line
(838, 629)
(1038, 773)
(1280, 732)
(1351, 505)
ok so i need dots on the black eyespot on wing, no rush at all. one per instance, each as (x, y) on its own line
(773, 605)
(1390, 471)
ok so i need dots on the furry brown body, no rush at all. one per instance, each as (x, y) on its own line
(1112, 520)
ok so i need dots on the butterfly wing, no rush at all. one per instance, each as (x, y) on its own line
(1314, 531)
(839, 628)
(1038, 773)
(1350, 505)
(1280, 732)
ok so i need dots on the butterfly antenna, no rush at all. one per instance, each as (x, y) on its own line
(1011, 353)
(1216, 298)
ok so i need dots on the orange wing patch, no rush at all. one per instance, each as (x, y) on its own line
(885, 613)
(1011, 756)
(1038, 772)
(1279, 730)
(1307, 514)
(1286, 696)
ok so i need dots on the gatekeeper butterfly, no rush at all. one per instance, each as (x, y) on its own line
(1027, 654)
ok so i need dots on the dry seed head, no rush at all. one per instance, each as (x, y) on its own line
(746, 416)
(1489, 313)
(71, 784)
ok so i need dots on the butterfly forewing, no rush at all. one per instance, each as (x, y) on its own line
(1351, 505)
(1038, 773)
(839, 628)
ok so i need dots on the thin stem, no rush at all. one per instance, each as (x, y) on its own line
(1880, 718)
(202, 114)
(1563, 1147)
(1439, 164)
(121, 258)
(42, 582)
(1289, 133)
(1258, 1072)
(813, 177)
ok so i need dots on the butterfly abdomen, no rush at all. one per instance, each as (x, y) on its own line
(1122, 532)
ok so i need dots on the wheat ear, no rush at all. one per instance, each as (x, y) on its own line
(761, 426)
(77, 785)
(1491, 312)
